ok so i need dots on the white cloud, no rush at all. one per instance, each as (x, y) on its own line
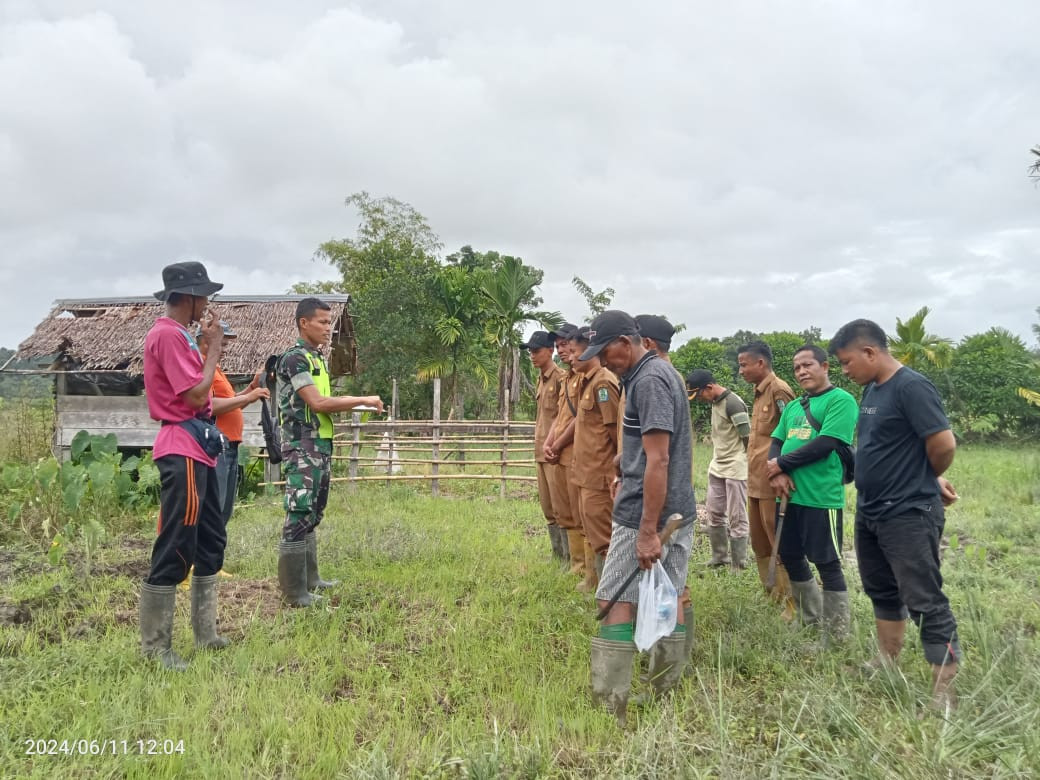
(742, 165)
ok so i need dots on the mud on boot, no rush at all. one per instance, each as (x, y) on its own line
(204, 613)
(157, 607)
(611, 675)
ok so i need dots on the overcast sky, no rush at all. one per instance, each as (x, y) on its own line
(732, 165)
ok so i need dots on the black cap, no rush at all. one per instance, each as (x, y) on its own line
(539, 340)
(657, 328)
(581, 334)
(699, 379)
(189, 278)
(607, 327)
(565, 331)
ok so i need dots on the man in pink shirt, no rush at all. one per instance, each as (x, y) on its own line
(177, 381)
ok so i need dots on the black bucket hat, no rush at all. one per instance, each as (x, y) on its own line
(189, 278)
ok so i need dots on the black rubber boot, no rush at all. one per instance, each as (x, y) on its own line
(204, 613)
(157, 605)
(292, 574)
(314, 580)
(611, 674)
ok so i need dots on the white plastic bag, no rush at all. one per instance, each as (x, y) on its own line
(658, 604)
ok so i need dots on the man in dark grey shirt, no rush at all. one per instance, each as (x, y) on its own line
(904, 446)
(655, 469)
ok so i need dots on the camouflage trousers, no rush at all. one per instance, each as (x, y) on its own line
(306, 465)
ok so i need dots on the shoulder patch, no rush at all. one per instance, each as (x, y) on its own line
(602, 395)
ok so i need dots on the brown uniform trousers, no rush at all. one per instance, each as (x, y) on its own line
(595, 445)
(564, 495)
(547, 396)
(771, 395)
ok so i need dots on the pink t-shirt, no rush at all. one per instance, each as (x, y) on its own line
(173, 365)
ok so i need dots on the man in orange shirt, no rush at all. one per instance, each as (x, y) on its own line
(227, 407)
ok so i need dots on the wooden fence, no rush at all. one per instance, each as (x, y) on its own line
(430, 450)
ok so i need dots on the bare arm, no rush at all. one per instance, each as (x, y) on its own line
(337, 403)
(655, 488)
(246, 397)
(940, 448)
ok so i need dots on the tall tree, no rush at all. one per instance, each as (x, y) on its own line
(915, 347)
(598, 302)
(510, 291)
(465, 352)
(389, 269)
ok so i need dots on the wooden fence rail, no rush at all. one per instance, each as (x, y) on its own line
(373, 450)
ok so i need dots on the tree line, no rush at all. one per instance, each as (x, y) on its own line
(462, 319)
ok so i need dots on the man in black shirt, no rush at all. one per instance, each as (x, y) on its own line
(904, 446)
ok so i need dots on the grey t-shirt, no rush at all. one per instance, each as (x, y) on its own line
(655, 400)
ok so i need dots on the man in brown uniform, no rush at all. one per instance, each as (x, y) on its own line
(595, 445)
(755, 360)
(559, 450)
(547, 397)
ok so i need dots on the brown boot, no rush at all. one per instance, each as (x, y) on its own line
(576, 547)
(890, 634)
(591, 581)
(782, 594)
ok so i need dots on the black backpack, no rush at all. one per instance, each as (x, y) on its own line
(846, 452)
(272, 433)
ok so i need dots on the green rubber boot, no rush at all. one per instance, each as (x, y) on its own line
(611, 673)
(204, 613)
(292, 574)
(314, 580)
(809, 600)
(157, 605)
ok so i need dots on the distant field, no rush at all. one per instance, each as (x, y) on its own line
(456, 648)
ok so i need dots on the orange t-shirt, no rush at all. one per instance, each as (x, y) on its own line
(230, 423)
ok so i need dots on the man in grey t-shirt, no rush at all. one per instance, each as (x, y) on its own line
(655, 483)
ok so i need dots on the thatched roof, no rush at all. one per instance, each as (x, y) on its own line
(108, 334)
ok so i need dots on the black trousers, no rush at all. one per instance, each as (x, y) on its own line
(813, 533)
(899, 567)
(191, 531)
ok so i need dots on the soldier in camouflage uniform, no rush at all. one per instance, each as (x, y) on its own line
(305, 405)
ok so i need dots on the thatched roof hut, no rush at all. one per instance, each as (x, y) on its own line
(96, 340)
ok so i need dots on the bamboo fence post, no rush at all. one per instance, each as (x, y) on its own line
(390, 438)
(505, 445)
(355, 447)
(435, 449)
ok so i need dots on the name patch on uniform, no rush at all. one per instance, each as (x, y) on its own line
(601, 395)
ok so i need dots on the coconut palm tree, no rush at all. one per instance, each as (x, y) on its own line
(509, 292)
(915, 347)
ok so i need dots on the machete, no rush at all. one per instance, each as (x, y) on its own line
(771, 574)
(671, 526)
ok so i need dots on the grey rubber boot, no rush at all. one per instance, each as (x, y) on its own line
(559, 543)
(157, 604)
(611, 672)
(688, 622)
(809, 600)
(204, 613)
(836, 620)
(719, 537)
(314, 580)
(292, 574)
(667, 661)
(738, 551)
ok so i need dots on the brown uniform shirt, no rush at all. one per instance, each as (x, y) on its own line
(595, 444)
(547, 398)
(771, 395)
(564, 415)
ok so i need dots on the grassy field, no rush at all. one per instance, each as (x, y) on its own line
(455, 648)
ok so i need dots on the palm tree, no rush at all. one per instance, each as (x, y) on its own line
(508, 289)
(459, 330)
(918, 349)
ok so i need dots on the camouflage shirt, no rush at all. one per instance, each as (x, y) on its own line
(301, 365)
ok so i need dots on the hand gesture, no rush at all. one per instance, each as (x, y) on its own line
(946, 492)
(648, 548)
(213, 334)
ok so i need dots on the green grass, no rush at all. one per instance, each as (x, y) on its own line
(455, 648)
